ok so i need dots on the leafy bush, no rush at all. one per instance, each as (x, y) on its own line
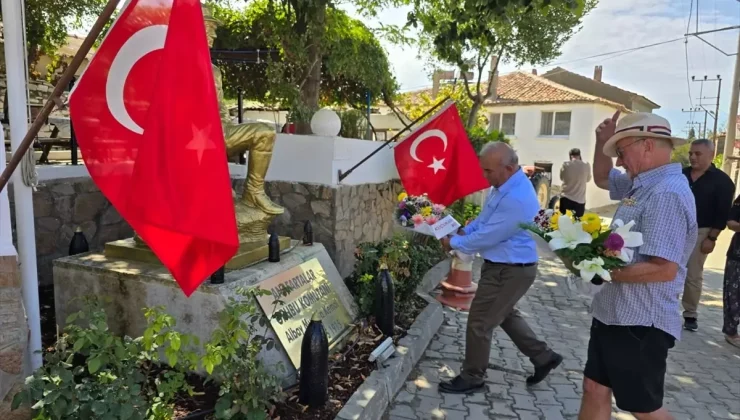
(464, 212)
(408, 258)
(479, 136)
(354, 124)
(94, 374)
(231, 360)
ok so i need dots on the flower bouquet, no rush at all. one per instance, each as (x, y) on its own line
(419, 214)
(587, 247)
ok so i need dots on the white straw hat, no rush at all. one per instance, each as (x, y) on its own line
(641, 124)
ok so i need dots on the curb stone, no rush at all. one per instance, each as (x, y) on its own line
(372, 398)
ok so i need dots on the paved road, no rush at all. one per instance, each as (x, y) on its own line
(703, 379)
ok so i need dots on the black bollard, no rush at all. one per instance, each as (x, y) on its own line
(307, 233)
(78, 244)
(273, 248)
(314, 383)
(384, 304)
(218, 276)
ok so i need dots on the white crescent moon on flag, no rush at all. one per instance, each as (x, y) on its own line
(425, 135)
(140, 44)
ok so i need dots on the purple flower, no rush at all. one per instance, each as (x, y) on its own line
(401, 204)
(614, 242)
(403, 218)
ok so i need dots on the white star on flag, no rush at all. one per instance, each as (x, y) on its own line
(437, 165)
(200, 142)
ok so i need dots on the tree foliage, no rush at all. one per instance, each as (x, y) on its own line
(49, 21)
(470, 33)
(353, 62)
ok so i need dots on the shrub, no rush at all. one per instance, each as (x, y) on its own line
(94, 374)
(408, 258)
(464, 212)
(354, 124)
(479, 136)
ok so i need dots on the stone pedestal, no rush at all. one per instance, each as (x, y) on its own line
(13, 338)
(133, 285)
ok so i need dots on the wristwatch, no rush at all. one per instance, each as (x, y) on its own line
(713, 239)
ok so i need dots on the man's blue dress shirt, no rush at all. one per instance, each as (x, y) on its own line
(496, 233)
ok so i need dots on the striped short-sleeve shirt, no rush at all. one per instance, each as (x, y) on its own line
(662, 206)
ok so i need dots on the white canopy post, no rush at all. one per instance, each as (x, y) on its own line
(16, 71)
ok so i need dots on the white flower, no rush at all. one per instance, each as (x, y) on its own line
(631, 239)
(569, 235)
(591, 268)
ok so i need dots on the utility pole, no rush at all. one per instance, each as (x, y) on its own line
(714, 113)
(732, 120)
(691, 112)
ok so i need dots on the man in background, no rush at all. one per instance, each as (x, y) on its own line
(575, 174)
(713, 193)
(509, 269)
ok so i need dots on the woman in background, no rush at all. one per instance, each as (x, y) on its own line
(731, 293)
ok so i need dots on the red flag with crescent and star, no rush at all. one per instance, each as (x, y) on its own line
(438, 159)
(146, 117)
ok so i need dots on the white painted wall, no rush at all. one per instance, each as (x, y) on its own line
(531, 146)
(312, 159)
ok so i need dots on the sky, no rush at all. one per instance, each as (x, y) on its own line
(659, 73)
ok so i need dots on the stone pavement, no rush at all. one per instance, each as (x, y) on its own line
(702, 382)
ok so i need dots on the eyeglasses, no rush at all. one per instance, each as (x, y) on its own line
(620, 150)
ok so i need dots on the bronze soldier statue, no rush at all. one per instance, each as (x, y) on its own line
(254, 209)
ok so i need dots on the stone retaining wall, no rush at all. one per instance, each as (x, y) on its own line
(59, 207)
(342, 217)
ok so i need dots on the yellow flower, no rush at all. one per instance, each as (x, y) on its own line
(402, 196)
(426, 211)
(591, 222)
(554, 220)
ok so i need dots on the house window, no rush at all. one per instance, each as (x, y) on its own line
(555, 124)
(506, 123)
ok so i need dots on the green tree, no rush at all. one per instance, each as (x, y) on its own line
(49, 21)
(353, 61)
(471, 33)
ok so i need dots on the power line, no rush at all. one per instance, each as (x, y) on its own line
(641, 47)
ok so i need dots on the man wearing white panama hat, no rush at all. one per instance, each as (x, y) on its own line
(636, 315)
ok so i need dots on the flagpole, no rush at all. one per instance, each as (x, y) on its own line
(54, 98)
(406, 128)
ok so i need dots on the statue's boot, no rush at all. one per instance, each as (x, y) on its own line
(254, 188)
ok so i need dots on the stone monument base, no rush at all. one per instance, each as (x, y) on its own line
(248, 253)
(133, 285)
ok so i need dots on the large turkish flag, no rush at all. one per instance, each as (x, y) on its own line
(438, 159)
(146, 117)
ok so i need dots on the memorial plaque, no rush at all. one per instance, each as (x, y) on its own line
(303, 291)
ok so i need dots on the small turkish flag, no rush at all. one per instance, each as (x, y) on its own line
(438, 159)
(146, 117)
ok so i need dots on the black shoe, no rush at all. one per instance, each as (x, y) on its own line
(690, 324)
(458, 385)
(541, 372)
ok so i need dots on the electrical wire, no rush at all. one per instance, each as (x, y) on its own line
(688, 80)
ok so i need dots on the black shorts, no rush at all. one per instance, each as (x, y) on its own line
(632, 362)
(576, 208)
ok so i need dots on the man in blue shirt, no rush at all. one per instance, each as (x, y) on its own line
(509, 270)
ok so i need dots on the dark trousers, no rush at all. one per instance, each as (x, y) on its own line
(576, 208)
(731, 297)
(499, 289)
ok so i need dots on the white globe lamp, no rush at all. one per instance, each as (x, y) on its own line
(326, 122)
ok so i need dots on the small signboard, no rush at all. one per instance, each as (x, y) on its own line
(303, 291)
